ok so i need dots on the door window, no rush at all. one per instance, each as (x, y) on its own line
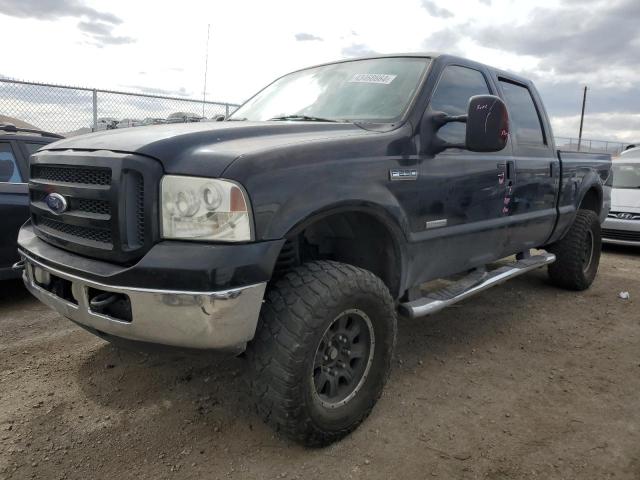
(523, 115)
(456, 86)
(8, 166)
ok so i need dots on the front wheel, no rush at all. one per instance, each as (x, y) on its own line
(578, 253)
(322, 352)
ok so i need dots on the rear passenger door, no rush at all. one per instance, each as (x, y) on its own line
(533, 176)
(14, 202)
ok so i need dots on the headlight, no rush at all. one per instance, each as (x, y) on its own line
(204, 209)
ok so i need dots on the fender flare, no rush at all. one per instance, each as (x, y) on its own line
(396, 232)
(590, 182)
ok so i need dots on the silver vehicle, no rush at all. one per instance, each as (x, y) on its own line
(183, 117)
(622, 225)
(128, 122)
(153, 121)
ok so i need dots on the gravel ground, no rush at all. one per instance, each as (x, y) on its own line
(522, 381)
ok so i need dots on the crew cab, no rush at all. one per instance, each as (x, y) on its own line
(299, 228)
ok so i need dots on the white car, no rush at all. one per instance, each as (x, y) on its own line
(622, 226)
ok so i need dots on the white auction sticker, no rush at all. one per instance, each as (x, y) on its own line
(382, 78)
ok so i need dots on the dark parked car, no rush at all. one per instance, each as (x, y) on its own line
(300, 227)
(16, 145)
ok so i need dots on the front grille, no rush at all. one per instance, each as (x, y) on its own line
(70, 174)
(621, 235)
(109, 203)
(140, 209)
(99, 207)
(54, 227)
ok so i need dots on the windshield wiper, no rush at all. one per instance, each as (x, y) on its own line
(304, 118)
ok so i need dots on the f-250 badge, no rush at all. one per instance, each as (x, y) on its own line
(403, 174)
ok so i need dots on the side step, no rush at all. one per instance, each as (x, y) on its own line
(477, 281)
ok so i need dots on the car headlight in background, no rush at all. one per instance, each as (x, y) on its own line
(204, 209)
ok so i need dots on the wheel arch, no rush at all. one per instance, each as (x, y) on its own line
(360, 234)
(592, 199)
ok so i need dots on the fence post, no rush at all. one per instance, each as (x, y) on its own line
(95, 111)
(226, 111)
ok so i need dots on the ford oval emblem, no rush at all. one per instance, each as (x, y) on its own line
(56, 203)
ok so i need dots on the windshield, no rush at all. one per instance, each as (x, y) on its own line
(376, 90)
(626, 175)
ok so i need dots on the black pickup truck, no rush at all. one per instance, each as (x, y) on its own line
(299, 228)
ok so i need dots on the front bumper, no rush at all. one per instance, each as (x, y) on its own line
(223, 317)
(621, 232)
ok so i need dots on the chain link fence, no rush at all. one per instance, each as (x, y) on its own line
(74, 111)
(588, 145)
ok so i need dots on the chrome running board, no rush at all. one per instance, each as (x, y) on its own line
(477, 281)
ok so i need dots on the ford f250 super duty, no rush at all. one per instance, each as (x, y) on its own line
(299, 228)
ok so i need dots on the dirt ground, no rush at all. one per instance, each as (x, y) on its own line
(522, 381)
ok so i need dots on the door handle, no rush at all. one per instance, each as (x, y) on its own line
(511, 170)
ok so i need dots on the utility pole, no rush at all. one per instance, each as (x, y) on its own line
(206, 64)
(584, 101)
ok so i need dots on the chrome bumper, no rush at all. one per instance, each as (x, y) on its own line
(205, 320)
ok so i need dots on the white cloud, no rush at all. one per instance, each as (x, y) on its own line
(247, 51)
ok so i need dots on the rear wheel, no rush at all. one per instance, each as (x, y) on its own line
(322, 352)
(578, 253)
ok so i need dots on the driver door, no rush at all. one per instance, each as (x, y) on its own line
(463, 193)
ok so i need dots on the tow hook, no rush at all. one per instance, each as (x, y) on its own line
(18, 266)
(102, 300)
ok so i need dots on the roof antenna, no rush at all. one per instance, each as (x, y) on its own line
(206, 64)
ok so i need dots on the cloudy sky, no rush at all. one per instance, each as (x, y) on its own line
(159, 47)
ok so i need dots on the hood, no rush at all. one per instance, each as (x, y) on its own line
(622, 198)
(178, 146)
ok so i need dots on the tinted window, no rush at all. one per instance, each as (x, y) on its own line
(456, 86)
(8, 167)
(525, 122)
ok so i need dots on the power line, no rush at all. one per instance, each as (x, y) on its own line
(206, 65)
(584, 101)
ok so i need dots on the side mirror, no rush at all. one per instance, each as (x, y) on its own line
(219, 118)
(6, 170)
(487, 124)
